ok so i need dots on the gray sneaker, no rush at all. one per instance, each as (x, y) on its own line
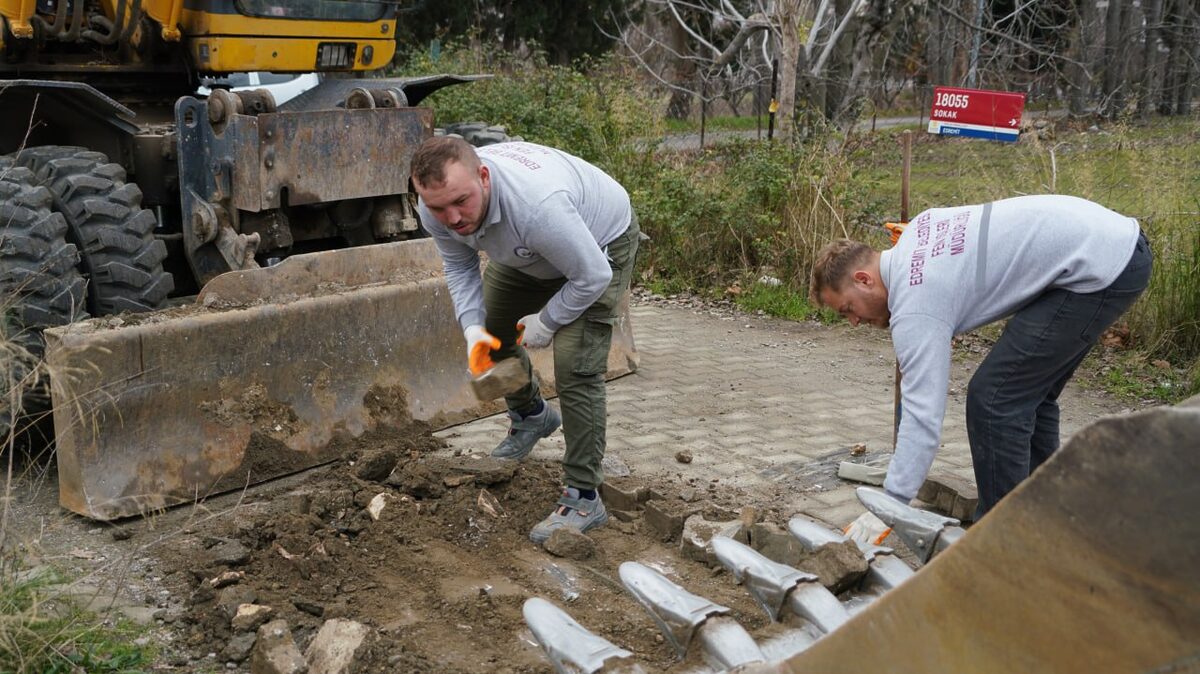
(574, 512)
(524, 433)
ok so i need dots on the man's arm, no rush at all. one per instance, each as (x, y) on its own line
(564, 240)
(461, 264)
(922, 346)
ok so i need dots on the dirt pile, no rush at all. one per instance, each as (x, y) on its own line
(430, 552)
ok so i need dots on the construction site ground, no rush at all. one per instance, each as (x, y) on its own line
(727, 410)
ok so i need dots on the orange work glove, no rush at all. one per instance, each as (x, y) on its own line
(895, 229)
(480, 344)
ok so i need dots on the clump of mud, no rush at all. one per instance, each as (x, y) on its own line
(431, 553)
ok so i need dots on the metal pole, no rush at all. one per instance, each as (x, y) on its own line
(774, 104)
(703, 108)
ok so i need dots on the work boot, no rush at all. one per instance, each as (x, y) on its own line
(525, 432)
(580, 514)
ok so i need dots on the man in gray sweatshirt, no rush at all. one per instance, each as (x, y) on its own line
(1060, 268)
(561, 238)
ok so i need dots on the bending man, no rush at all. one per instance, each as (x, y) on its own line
(1062, 270)
(561, 238)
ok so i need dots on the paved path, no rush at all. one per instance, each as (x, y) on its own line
(767, 405)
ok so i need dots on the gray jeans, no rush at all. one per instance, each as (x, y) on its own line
(1012, 400)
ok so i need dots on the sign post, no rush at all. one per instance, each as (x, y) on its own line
(976, 113)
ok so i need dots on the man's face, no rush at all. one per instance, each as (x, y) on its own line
(861, 299)
(460, 202)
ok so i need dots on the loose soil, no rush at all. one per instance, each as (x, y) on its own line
(443, 573)
(440, 577)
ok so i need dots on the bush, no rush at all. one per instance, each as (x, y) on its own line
(732, 213)
(592, 110)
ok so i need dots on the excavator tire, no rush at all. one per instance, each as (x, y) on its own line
(119, 254)
(39, 285)
(480, 134)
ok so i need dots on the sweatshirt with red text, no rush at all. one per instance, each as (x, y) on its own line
(950, 273)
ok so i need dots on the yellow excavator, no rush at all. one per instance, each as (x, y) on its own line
(319, 311)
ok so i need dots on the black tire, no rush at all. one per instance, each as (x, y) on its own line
(120, 257)
(39, 287)
(480, 134)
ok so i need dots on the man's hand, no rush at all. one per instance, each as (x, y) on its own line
(867, 529)
(532, 333)
(480, 344)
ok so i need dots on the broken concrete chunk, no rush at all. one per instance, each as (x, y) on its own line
(238, 648)
(570, 543)
(337, 646)
(666, 517)
(622, 515)
(230, 553)
(226, 579)
(230, 598)
(250, 616)
(310, 607)
(838, 565)
(417, 480)
(377, 504)
(695, 541)
(624, 494)
(950, 495)
(275, 652)
(454, 481)
(375, 466)
(775, 544)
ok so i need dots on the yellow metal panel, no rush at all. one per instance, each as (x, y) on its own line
(167, 13)
(18, 13)
(233, 54)
(197, 24)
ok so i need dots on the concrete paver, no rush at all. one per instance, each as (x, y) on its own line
(766, 405)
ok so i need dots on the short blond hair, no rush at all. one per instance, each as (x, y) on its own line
(835, 262)
(429, 161)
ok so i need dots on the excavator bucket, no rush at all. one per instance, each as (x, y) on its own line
(1088, 566)
(271, 371)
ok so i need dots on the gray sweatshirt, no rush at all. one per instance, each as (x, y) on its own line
(948, 275)
(550, 215)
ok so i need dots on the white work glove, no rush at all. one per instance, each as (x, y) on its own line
(480, 344)
(532, 333)
(867, 529)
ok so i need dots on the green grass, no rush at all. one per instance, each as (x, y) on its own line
(43, 631)
(1129, 376)
(781, 301)
(724, 123)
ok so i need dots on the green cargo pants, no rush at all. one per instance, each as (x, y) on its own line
(580, 352)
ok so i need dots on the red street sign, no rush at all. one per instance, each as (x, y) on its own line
(976, 113)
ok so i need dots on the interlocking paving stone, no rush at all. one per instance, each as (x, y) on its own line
(770, 408)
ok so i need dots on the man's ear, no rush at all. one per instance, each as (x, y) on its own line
(864, 277)
(485, 176)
